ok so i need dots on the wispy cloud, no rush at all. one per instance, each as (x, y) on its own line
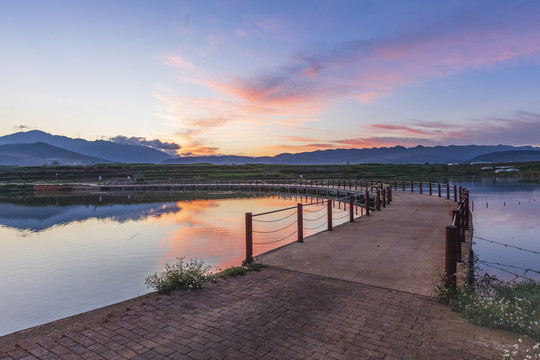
(302, 86)
(369, 69)
(177, 61)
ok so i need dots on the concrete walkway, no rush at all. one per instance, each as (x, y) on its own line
(293, 314)
(400, 247)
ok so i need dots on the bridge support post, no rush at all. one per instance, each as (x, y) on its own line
(367, 202)
(450, 266)
(329, 214)
(249, 239)
(456, 216)
(300, 221)
(351, 208)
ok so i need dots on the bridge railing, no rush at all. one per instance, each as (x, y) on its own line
(301, 217)
(455, 237)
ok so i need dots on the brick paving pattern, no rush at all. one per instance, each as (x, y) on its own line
(276, 314)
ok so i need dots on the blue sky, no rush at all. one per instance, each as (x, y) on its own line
(265, 77)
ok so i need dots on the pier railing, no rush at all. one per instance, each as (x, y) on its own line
(373, 198)
(455, 237)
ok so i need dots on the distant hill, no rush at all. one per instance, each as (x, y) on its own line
(509, 156)
(107, 150)
(40, 153)
(393, 155)
(87, 152)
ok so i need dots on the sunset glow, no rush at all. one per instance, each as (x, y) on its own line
(265, 77)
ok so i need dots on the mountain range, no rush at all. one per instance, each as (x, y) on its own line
(35, 147)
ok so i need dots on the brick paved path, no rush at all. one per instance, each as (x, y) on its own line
(277, 314)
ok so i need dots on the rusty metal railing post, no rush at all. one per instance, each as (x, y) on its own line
(367, 202)
(456, 216)
(300, 221)
(412, 186)
(430, 189)
(467, 210)
(450, 266)
(420, 186)
(249, 238)
(448, 191)
(455, 193)
(403, 185)
(351, 208)
(439, 185)
(384, 197)
(378, 205)
(329, 214)
(395, 184)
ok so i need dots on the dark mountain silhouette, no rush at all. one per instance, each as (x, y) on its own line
(40, 153)
(395, 155)
(107, 150)
(86, 152)
(509, 156)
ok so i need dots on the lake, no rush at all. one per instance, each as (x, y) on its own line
(506, 211)
(63, 255)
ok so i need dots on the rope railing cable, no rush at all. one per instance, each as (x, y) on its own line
(511, 273)
(319, 218)
(507, 245)
(277, 230)
(313, 211)
(275, 241)
(316, 227)
(274, 211)
(341, 217)
(510, 266)
(276, 220)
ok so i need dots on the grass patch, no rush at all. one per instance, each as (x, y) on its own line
(494, 303)
(240, 270)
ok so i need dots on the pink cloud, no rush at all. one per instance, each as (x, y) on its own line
(399, 128)
(301, 87)
(373, 68)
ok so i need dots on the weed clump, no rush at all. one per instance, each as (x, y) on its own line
(240, 270)
(494, 303)
(189, 275)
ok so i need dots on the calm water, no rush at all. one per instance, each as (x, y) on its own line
(65, 255)
(506, 211)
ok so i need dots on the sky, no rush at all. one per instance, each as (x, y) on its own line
(263, 77)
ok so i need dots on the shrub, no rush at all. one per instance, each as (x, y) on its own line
(181, 275)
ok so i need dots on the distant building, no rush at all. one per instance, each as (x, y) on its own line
(505, 170)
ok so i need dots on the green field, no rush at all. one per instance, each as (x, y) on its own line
(173, 173)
